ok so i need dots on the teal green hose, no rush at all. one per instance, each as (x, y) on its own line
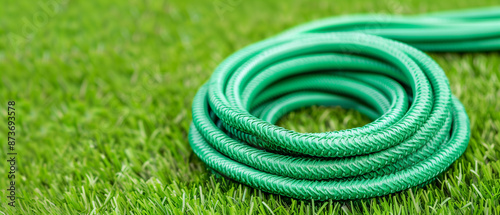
(419, 128)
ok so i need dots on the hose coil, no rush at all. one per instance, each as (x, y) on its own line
(419, 127)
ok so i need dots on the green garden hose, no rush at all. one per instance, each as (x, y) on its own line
(419, 127)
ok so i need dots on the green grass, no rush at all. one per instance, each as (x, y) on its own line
(103, 93)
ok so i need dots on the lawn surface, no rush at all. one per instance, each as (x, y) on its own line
(103, 93)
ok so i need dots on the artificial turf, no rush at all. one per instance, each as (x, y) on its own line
(103, 93)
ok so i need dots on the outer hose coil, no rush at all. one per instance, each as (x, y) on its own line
(419, 127)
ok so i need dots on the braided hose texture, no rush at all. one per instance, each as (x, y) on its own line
(419, 128)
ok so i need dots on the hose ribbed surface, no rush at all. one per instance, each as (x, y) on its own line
(419, 127)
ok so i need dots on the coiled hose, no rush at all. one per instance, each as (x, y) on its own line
(419, 127)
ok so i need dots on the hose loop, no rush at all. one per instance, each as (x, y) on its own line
(419, 128)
